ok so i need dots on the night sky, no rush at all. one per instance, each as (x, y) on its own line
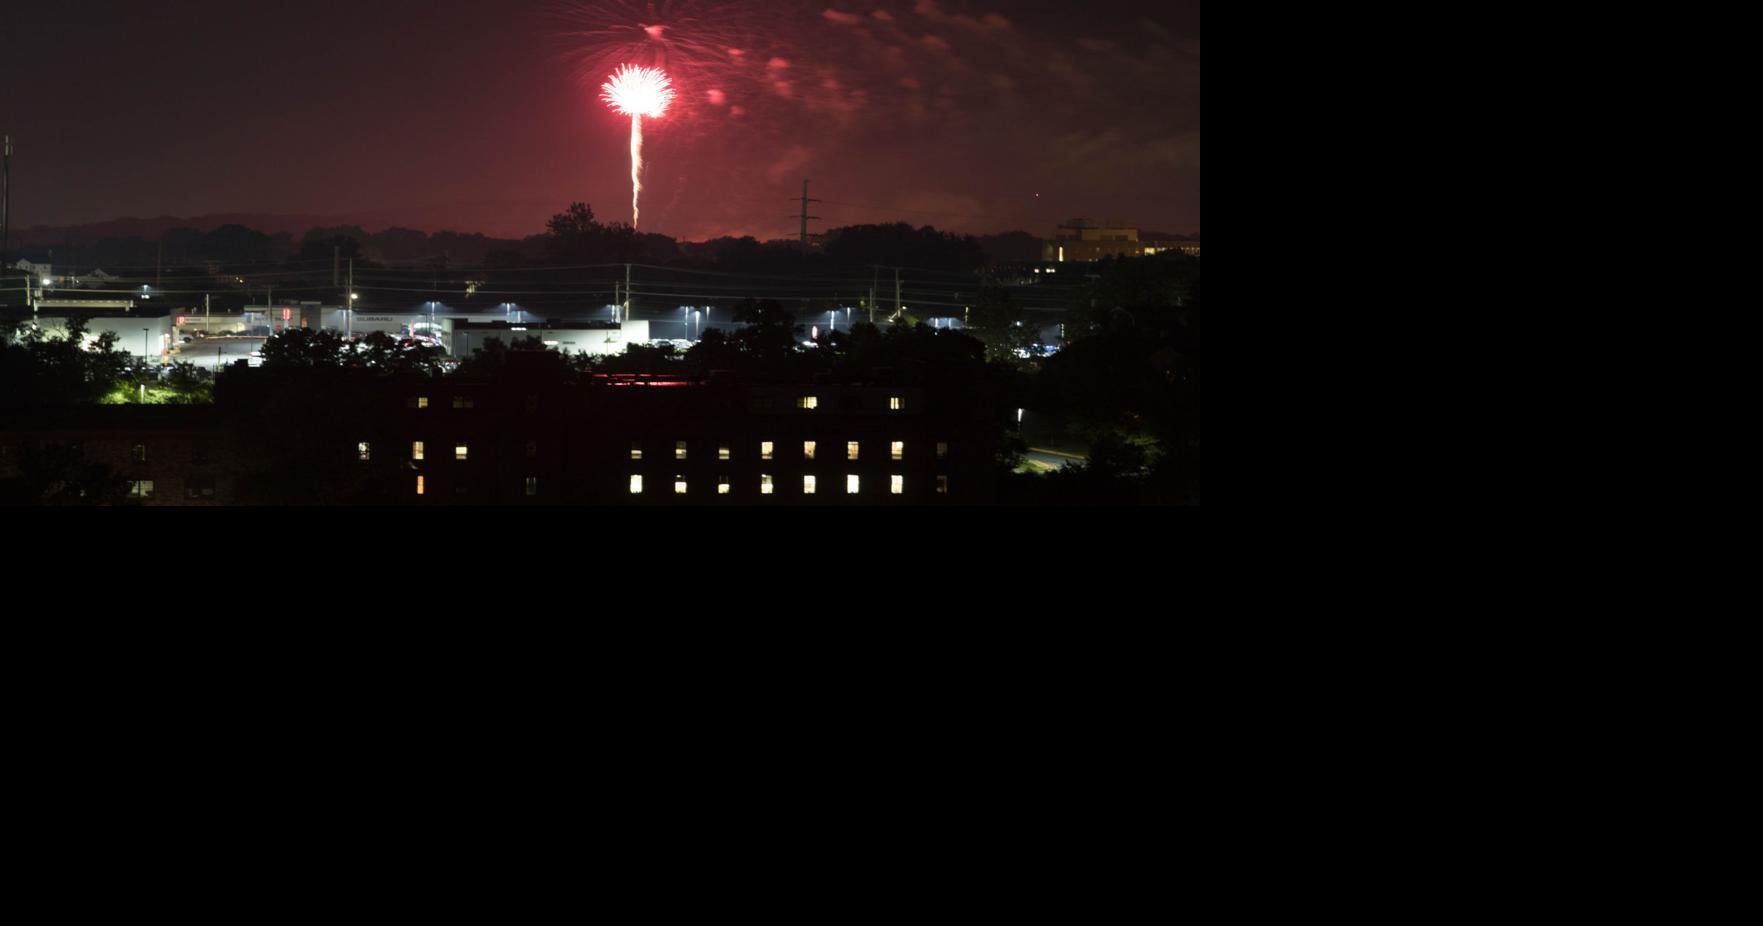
(485, 116)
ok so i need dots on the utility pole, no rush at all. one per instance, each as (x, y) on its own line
(208, 314)
(6, 206)
(627, 292)
(874, 276)
(349, 302)
(898, 307)
(805, 216)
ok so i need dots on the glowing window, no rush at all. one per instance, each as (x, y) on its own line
(636, 450)
(807, 450)
(807, 485)
(460, 401)
(898, 450)
(679, 450)
(765, 450)
(636, 485)
(852, 485)
(421, 486)
(723, 486)
(142, 488)
(896, 403)
(942, 450)
(679, 485)
(942, 485)
(723, 451)
(853, 450)
(899, 485)
(461, 453)
(532, 486)
(765, 486)
(416, 450)
(363, 451)
(809, 402)
(418, 402)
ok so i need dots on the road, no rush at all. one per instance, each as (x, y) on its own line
(213, 353)
(1045, 460)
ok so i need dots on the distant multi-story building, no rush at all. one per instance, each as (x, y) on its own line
(533, 437)
(1079, 241)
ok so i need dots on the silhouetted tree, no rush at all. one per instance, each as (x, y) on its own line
(37, 369)
(58, 475)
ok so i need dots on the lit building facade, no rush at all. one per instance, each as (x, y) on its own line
(1077, 241)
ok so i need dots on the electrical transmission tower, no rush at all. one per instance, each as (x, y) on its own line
(805, 216)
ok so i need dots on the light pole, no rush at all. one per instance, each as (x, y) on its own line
(143, 366)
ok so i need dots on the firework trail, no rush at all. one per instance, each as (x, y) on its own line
(638, 92)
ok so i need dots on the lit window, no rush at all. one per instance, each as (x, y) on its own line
(809, 402)
(679, 485)
(461, 453)
(418, 402)
(896, 403)
(899, 450)
(460, 401)
(942, 485)
(636, 450)
(807, 450)
(765, 450)
(636, 485)
(852, 450)
(942, 450)
(723, 486)
(679, 450)
(852, 485)
(723, 451)
(765, 486)
(899, 485)
(532, 486)
(363, 451)
(139, 452)
(421, 486)
(141, 489)
(416, 451)
(807, 485)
